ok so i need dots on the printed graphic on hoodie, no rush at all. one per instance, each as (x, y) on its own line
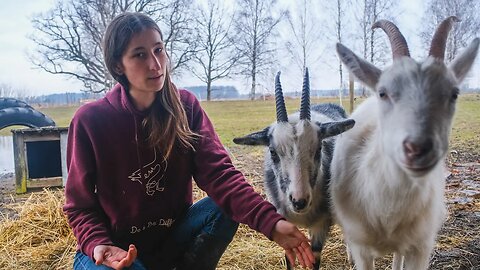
(152, 174)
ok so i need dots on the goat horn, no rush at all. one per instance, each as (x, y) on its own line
(305, 104)
(437, 48)
(279, 101)
(397, 41)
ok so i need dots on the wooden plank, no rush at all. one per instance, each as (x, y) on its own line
(20, 164)
(63, 155)
(45, 182)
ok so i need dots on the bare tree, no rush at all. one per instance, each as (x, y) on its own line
(215, 58)
(303, 40)
(374, 47)
(254, 28)
(304, 35)
(7, 90)
(180, 38)
(337, 19)
(339, 23)
(468, 11)
(69, 36)
(379, 49)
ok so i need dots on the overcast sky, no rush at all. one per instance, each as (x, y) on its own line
(17, 70)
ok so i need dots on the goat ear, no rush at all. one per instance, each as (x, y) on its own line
(462, 63)
(364, 71)
(256, 138)
(330, 129)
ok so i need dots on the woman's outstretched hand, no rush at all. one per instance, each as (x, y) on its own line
(114, 257)
(295, 243)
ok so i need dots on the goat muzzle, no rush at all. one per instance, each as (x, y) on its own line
(419, 156)
(298, 205)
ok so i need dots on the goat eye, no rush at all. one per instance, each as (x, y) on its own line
(456, 91)
(382, 93)
(274, 155)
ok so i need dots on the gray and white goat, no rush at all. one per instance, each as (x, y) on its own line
(298, 154)
(388, 171)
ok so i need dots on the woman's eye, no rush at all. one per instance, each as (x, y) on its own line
(140, 55)
(158, 50)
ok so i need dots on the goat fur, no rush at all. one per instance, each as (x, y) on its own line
(384, 201)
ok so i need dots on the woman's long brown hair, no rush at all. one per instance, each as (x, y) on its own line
(167, 123)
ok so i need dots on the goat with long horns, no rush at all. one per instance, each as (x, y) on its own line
(298, 155)
(387, 183)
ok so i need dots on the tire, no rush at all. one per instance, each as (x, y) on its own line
(24, 116)
(12, 102)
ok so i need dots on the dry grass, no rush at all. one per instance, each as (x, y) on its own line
(38, 237)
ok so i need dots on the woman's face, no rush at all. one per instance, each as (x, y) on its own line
(144, 62)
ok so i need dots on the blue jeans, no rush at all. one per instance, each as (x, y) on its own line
(203, 217)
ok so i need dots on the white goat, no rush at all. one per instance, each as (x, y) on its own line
(388, 172)
(298, 154)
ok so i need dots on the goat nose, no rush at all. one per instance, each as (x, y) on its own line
(298, 204)
(416, 150)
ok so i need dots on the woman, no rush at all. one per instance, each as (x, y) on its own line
(131, 157)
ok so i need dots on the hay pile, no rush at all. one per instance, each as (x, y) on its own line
(38, 236)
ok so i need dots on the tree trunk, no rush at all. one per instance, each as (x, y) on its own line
(339, 36)
(252, 92)
(254, 75)
(209, 90)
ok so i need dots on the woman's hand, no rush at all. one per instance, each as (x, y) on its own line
(295, 243)
(114, 257)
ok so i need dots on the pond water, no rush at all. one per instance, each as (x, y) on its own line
(6, 155)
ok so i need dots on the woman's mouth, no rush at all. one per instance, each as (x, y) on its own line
(156, 77)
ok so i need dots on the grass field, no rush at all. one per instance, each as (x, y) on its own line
(236, 118)
(466, 126)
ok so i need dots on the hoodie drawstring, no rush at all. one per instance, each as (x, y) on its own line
(137, 144)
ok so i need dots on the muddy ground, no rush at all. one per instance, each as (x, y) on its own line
(7, 192)
(458, 244)
(459, 239)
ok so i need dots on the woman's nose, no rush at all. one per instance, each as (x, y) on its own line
(155, 63)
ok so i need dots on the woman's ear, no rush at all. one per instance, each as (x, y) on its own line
(119, 69)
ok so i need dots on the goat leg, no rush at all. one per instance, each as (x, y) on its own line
(397, 261)
(362, 257)
(418, 259)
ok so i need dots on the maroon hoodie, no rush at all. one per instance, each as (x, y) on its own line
(120, 191)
